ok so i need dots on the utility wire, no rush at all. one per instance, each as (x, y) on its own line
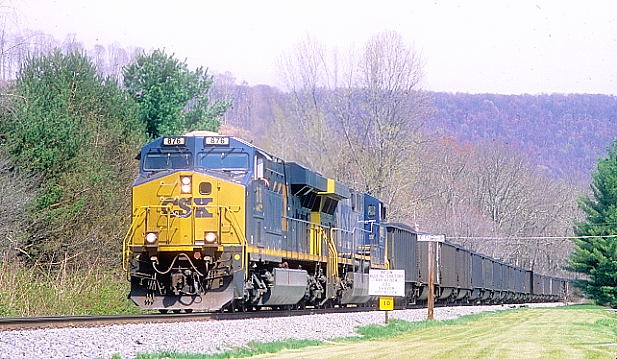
(530, 238)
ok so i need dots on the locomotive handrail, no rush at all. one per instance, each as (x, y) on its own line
(169, 213)
(235, 225)
(306, 222)
(334, 257)
(140, 211)
(241, 236)
(231, 217)
(129, 233)
(352, 232)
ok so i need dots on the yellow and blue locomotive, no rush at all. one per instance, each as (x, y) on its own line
(219, 223)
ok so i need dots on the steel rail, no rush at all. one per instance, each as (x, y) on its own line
(29, 323)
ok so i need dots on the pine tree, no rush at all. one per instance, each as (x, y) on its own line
(75, 134)
(172, 99)
(596, 257)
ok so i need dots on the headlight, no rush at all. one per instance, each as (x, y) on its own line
(151, 237)
(210, 237)
(185, 186)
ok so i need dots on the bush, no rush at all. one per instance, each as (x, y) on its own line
(78, 134)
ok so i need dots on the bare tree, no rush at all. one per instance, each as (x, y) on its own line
(492, 190)
(358, 116)
(71, 44)
(11, 40)
(360, 121)
(306, 74)
(99, 57)
(382, 130)
(117, 58)
(224, 89)
(16, 192)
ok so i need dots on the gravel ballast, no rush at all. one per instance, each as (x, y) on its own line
(203, 337)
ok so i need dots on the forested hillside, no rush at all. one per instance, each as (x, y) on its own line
(564, 133)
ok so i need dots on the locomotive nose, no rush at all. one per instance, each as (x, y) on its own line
(190, 211)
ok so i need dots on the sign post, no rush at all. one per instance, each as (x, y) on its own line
(386, 284)
(431, 280)
(386, 304)
(431, 239)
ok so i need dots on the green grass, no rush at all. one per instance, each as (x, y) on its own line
(582, 331)
(578, 306)
(251, 349)
(396, 327)
(35, 292)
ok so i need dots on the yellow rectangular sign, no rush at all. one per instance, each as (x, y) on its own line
(386, 303)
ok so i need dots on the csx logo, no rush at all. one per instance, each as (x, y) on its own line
(186, 207)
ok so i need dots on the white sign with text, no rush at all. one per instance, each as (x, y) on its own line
(386, 282)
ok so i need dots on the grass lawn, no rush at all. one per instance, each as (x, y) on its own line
(562, 332)
(566, 332)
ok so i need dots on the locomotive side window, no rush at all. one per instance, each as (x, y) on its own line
(259, 167)
(166, 161)
(371, 211)
(224, 160)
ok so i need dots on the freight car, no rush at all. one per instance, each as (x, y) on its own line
(219, 223)
(464, 276)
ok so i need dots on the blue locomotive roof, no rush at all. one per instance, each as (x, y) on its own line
(299, 175)
(221, 156)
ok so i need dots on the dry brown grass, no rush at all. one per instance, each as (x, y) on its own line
(37, 292)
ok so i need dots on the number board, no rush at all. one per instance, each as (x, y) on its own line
(386, 282)
(386, 303)
(216, 141)
(430, 237)
(173, 141)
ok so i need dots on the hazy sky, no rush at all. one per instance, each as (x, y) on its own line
(467, 46)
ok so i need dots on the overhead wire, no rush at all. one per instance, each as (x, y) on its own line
(536, 237)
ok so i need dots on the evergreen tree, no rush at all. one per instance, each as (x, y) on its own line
(172, 98)
(596, 257)
(76, 133)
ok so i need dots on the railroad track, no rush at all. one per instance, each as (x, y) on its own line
(23, 323)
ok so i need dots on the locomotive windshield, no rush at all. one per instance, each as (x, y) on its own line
(224, 160)
(167, 161)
